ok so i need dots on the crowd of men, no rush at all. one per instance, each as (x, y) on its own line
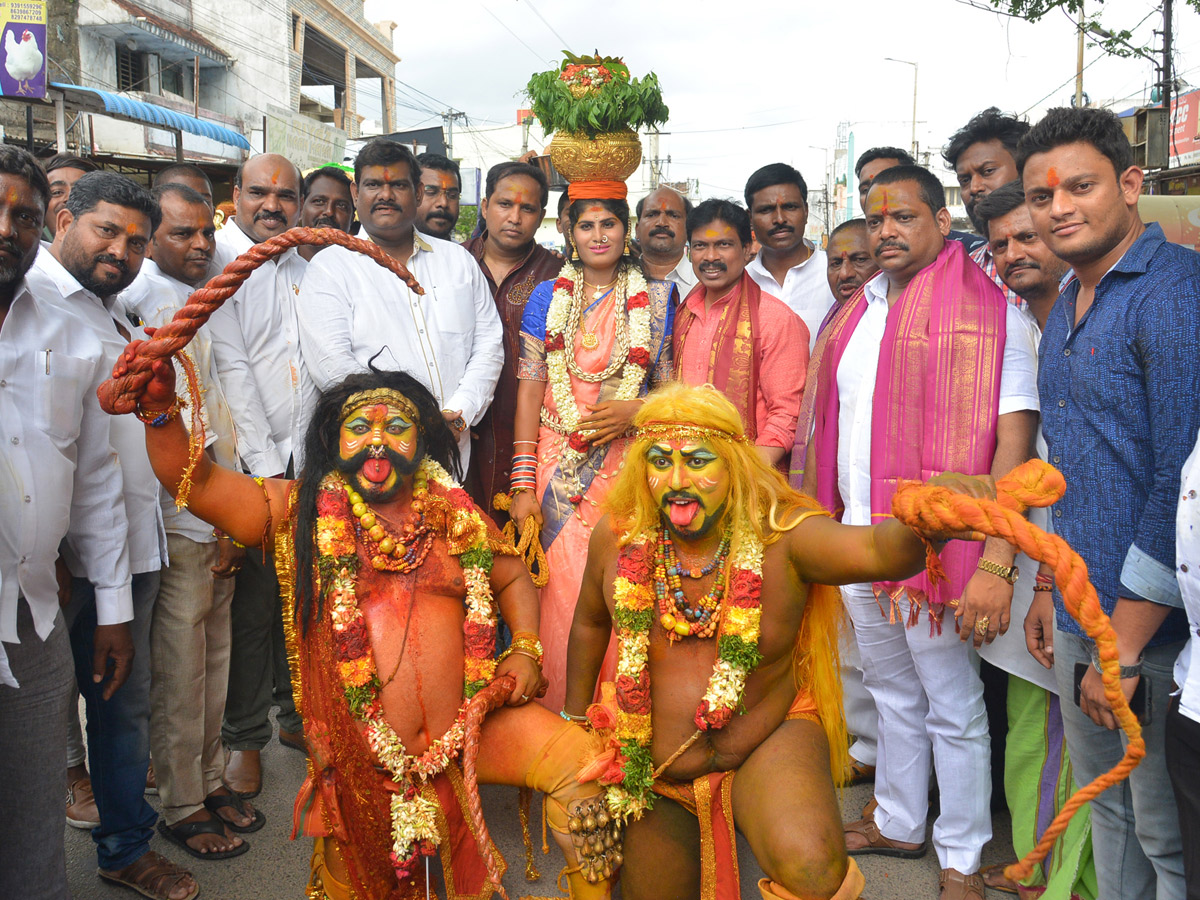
(173, 635)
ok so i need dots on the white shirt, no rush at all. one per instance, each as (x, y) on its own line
(63, 468)
(254, 340)
(156, 297)
(450, 338)
(683, 275)
(856, 392)
(1187, 570)
(147, 537)
(805, 288)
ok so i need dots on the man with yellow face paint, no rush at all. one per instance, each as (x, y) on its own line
(705, 540)
(393, 580)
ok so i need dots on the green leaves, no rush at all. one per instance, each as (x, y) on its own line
(621, 103)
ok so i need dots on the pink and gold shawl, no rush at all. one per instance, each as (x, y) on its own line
(937, 392)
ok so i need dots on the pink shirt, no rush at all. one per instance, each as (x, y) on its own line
(782, 347)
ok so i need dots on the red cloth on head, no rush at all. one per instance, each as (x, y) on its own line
(597, 190)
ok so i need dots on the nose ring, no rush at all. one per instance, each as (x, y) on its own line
(604, 240)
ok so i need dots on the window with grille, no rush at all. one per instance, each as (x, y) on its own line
(131, 70)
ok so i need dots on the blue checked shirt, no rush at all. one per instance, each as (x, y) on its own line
(1120, 398)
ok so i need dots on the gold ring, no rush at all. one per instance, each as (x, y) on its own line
(981, 625)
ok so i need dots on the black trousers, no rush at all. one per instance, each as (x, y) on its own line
(1183, 765)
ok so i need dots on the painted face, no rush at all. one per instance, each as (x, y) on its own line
(905, 236)
(513, 212)
(690, 484)
(660, 228)
(183, 245)
(103, 249)
(850, 262)
(268, 202)
(1023, 259)
(437, 212)
(327, 205)
(378, 448)
(981, 168)
(1080, 206)
(779, 216)
(385, 199)
(718, 257)
(61, 181)
(20, 227)
(867, 177)
(599, 235)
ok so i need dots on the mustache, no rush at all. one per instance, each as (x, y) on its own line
(399, 463)
(385, 204)
(325, 222)
(714, 266)
(678, 495)
(112, 261)
(892, 244)
(270, 216)
(782, 229)
(8, 245)
(661, 229)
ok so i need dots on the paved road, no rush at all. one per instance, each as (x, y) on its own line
(277, 868)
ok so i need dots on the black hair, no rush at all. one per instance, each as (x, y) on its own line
(382, 152)
(332, 172)
(1099, 127)
(848, 224)
(989, 125)
(441, 164)
(500, 171)
(933, 194)
(771, 175)
(15, 161)
(321, 452)
(687, 204)
(901, 156)
(726, 211)
(563, 199)
(109, 187)
(999, 202)
(181, 170)
(184, 192)
(69, 161)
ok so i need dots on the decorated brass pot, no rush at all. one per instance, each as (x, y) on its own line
(609, 157)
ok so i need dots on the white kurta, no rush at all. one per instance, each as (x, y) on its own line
(805, 288)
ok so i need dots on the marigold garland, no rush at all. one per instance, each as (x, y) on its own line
(414, 819)
(631, 775)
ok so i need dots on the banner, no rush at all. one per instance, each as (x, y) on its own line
(306, 142)
(23, 48)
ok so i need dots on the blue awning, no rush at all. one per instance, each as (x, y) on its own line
(159, 116)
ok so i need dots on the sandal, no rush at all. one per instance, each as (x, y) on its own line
(179, 833)
(151, 875)
(215, 802)
(879, 845)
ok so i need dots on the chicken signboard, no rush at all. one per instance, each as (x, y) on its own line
(24, 48)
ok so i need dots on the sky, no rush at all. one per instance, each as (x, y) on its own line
(762, 81)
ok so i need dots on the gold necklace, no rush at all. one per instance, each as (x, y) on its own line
(600, 288)
(588, 339)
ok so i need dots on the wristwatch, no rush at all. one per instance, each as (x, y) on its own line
(1008, 573)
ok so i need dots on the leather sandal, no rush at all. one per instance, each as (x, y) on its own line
(179, 833)
(151, 875)
(957, 886)
(857, 773)
(994, 877)
(214, 803)
(877, 844)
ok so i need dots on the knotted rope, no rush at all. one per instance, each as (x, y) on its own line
(490, 697)
(1035, 483)
(529, 544)
(120, 394)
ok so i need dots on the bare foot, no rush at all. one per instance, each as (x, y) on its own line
(153, 875)
(239, 813)
(209, 843)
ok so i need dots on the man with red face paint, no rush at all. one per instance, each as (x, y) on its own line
(706, 552)
(393, 583)
(927, 369)
(440, 195)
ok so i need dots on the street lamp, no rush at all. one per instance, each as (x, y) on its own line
(907, 62)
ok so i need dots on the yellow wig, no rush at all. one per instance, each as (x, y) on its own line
(762, 503)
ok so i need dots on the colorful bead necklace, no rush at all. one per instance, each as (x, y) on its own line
(679, 618)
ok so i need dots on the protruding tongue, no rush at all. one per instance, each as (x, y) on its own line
(377, 470)
(682, 513)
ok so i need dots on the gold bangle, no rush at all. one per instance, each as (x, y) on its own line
(156, 418)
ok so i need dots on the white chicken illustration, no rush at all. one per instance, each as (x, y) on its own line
(22, 60)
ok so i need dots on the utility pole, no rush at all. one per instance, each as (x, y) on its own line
(908, 62)
(1079, 62)
(448, 117)
(1168, 78)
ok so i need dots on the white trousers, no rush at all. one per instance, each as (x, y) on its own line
(862, 719)
(930, 700)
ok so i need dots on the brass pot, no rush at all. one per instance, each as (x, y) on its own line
(613, 156)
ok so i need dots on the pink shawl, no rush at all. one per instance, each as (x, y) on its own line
(937, 393)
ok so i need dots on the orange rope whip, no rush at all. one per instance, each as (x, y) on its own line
(120, 395)
(932, 508)
(489, 697)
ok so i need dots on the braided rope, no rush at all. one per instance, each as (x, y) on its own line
(120, 394)
(1036, 483)
(489, 697)
(529, 544)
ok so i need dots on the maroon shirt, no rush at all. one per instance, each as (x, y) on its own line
(492, 438)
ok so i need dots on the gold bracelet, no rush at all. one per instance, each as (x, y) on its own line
(156, 418)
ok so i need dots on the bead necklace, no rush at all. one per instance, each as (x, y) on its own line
(402, 553)
(679, 618)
